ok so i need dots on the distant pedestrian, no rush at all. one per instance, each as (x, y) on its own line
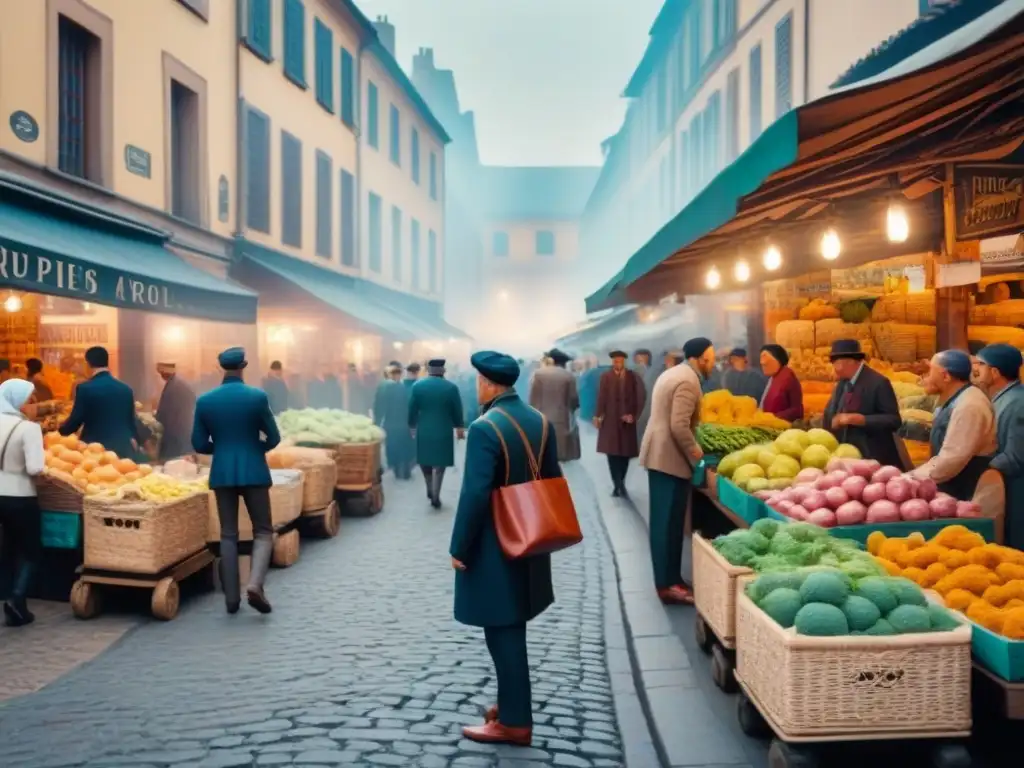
(391, 413)
(435, 417)
(620, 401)
(642, 362)
(740, 379)
(553, 393)
(276, 388)
(175, 412)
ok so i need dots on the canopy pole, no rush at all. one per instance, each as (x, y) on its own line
(952, 304)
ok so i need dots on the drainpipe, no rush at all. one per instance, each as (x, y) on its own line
(358, 214)
(239, 124)
(807, 51)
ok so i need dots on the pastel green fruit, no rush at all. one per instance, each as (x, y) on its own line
(745, 473)
(728, 464)
(782, 605)
(880, 627)
(756, 484)
(824, 587)
(941, 620)
(790, 447)
(766, 456)
(846, 451)
(795, 434)
(821, 620)
(815, 456)
(906, 591)
(861, 613)
(779, 483)
(876, 590)
(766, 527)
(909, 618)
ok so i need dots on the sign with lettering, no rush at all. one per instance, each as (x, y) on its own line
(72, 335)
(988, 200)
(24, 126)
(137, 161)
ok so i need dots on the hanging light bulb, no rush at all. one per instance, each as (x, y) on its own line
(772, 258)
(741, 271)
(713, 279)
(13, 303)
(897, 226)
(831, 245)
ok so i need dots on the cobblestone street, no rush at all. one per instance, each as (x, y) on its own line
(361, 663)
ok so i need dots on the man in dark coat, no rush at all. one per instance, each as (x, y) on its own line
(492, 591)
(104, 409)
(435, 416)
(276, 388)
(176, 412)
(620, 401)
(412, 375)
(234, 424)
(863, 410)
(391, 413)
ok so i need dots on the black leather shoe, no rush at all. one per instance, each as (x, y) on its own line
(17, 614)
(232, 608)
(258, 600)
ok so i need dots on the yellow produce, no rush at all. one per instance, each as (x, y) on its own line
(818, 309)
(88, 466)
(722, 407)
(157, 488)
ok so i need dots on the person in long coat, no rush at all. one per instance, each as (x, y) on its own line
(435, 417)
(234, 424)
(104, 409)
(391, 413)
(553, 393)
(176, 412)
(620, 401)
(492, 591)
(643, 365)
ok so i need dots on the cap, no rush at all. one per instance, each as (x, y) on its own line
(1004, 358)
(232, 359)
(617, 353)
(496, 366)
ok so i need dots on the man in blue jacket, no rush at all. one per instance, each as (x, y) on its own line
(234, 423)
(104, 409)
(492, 591)
(435, 416)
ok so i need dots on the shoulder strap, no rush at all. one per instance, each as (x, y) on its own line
(530, 456)
(7, 442)
(504, 447)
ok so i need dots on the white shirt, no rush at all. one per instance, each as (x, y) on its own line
(22, 458)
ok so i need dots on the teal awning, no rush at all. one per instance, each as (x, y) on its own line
(802, 150)
(52, 246)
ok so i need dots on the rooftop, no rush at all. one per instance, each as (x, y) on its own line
(662, 33)
(546, 193)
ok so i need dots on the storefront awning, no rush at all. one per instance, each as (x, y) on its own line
(420, 313)
(594, 333)
(921, 113)
(55, 247)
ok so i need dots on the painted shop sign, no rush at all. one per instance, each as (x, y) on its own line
(988, 200)
(67, 335)
(137, 161)
(24, 126)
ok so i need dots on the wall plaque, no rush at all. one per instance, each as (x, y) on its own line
(138, 161)
(24, 126)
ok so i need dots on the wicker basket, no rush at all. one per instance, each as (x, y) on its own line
(56, 495)
(828, 686)
(143, 536)
(319, 468)
(286, 495)
(714, 589)
(358, 463)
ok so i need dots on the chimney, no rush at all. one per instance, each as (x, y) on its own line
(386, 33)
(423, 61)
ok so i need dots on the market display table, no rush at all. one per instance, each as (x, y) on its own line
(1004, 698)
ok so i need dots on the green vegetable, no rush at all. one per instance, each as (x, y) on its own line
(325, 426)
(728, 438)
(906, 619)
(940, 619)
(767, 583)
(735, 552)
(861, 613)
(782, 605)
(766, 527)
(807, 532)
(821, 620)
(906, 591)
(854, 312)
(824, 587)
(881, 627)
(877, 591)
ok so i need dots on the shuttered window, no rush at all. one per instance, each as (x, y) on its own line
(324, 206)
(396, 244)
(372, 115)
(414, 156)
(375, 232)
(756, 92)
(784, 66)
(291, 190)
(684, 160)
(324, 42)
(257, 170)
(433, 176)
(696, 173)
(257, 31)
(295, 41)
(696, 30)
(732, 116)
(348, 89)
(414, 253)
(432, 260)
(395, 125)
(348, 219)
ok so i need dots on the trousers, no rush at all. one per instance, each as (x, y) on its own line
(22, 544)
(257, 503)
(669, 496)
(434, 477)
(507, 646)
(618, 466)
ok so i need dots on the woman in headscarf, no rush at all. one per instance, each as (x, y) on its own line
(783, 397)
(22, 457)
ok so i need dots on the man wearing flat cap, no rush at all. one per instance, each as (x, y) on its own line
(963, 438)
(175, 412)
(998, 374)
(435, 417)
(863, 410)
(235, 425)
(553, 393)
(620, 401)
(492, 591)
(391, 413)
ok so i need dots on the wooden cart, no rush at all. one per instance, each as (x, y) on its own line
(321, 523)
(360, 488)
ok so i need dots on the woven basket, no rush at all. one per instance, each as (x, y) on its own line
(829, 330)
(1007, 313)
(143, 536)
(318, 467)
(920, 308)
(286, 495)
(714, 589)
(895, 342)
(828, 686)
(795, 334)
(991, 334)
(358, 463)
(56, 495)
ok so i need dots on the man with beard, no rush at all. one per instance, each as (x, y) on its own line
(435, 416)
(620, 401)
(553, 393)
(175, 412)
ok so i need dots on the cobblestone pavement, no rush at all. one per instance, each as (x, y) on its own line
(361, 663)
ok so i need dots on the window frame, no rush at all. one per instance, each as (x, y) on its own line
(395, 135)
(200, 8)
(298, 78)
(784, 100)
(375, 236)
(175, 70)
(290, 196)
(397, 258)
(433, 176)
(539, 242)
(415, 254)
(372, 115)
(263, 50)
(349, 87)
(251, 110)
(414, 156)
(323, 56)
(324, 186)
(349, 216)
(433, 265)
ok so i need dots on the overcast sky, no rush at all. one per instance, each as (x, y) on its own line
(544, 77)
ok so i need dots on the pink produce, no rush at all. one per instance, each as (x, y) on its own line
(763, 495)
(799, 493)
(873, 492)
(825, 482)
(785, 506)
(915, 509)
(885, 474)
(942, 506)
(967, 509)
(825, 518)
(814, 500)
(864, 467)
(883, 511)
(854, 486)
(797, 512)
(836, 497)
(851, 513)
(927, 489)
(808, 475)
(898, 489)
(838, 464)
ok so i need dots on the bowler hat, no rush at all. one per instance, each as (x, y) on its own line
(617, 353)
(846, 348)
(558, 356)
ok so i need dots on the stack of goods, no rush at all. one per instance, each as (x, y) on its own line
(59, 382)
(818, 309)
(776, 465)
(720, 439)
(149, 421)
(998, 319)
(722, 407)
(326, 426)
(816, 396)
(89, 467)
(53, 413)
(319, 470)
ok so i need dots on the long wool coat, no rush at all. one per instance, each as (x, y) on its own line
(619, 395)
(553, 393)
(435, 412)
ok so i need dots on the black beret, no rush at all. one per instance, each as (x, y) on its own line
(778, 352)
(696, 347)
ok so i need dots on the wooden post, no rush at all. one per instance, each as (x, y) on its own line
(755, 322)
(952, 305)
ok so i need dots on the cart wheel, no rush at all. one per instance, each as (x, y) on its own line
(85, 600)
(376, 499)
(166, 599)
(783, 755)
(752, 723)
(721, 669)
(702, 634)
(951, 756)
(326, 526)
(286, 549)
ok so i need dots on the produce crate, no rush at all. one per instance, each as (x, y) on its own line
(859, 533)
(286, 496)
(1000, 655)
(823, 687)
(131, 536)
(319, 469)
(740, 502)
(714, 589)
(358, 463)
(60, 530)
(58, 495)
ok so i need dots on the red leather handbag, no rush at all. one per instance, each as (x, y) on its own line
(536, 517)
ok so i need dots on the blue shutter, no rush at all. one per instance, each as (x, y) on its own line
(732, 116)
(396, 136)
(695, 155)
(684, 165)
(258, 29)
(396, 244)
(372, 116)
(295, 41)
(784, 66)
(433, 176)
(348, 219)
(291, 190)
(414, 249)
(375, 232)
(324, 206)
(432, 260)
(414, 156)
(257, 171)
(756, 95)
(324, 65)
(348, 89)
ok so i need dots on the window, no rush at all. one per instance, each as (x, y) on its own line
(545, 242)
(324, 206)
(372, 116)
(185, 153)
(257, 30)
(324, 41)
(396, 244)
(499, 243)
(713, 134)
(784, 66)
(348, 89)
(78, 82)
(295, 42)
(696, 30)
(414, 156)
(732, 115)
(375, 232)
(756, 97)
(348, 219)
(396, 136)
(432, 260)
(414, 253)
(291, 190)
(695, 156)
(257, 170)
(684, 160)
(433, 176)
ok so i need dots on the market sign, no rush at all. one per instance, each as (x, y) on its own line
(989, 200)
